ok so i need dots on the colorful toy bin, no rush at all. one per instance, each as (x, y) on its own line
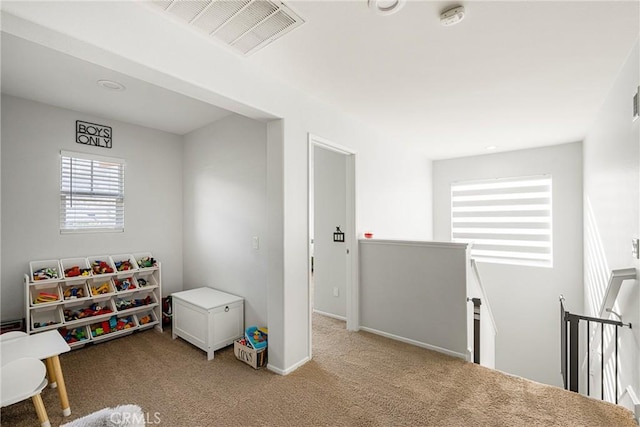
(45, 319)
(102, 264)
(145, 260)
(43, 294)
(252, 349)
(75, 336)
(125, 262)
(146, 319)
(113, 325)
(45, 270)
(75, 268)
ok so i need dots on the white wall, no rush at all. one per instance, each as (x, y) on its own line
(416, 292)
(612, 215)
(33, 135)
(225, 192)
(525, 299)
(394, 199)
(392, 183)
(330, 205)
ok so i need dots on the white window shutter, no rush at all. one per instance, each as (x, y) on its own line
(508, 221)
(91, 193)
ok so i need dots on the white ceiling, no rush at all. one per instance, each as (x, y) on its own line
(41, 74)
(515, 74)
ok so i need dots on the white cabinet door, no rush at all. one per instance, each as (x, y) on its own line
(190, 323)
(227, 324)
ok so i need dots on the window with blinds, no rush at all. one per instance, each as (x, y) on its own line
(91, 193)
(508, 221)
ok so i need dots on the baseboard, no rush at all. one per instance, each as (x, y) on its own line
(333, 316)
(416, 343)
(289, 369)
(635, 401)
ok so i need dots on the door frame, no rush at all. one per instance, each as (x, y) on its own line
(351, 242)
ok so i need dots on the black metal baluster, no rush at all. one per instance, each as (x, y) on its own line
(563, 344)
(588, 357)
(476, 329)
(573, 352)
(615, 378)
(601, 361)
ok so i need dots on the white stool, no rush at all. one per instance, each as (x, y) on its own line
(23, 379)
(17, 334)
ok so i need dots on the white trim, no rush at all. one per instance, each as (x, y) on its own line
(351, 242)
(289, 369)
(95, 157)
(634, 400)
(485, 300)
(441, 245)
(416, 343)
(485, 184)
(329, 145)
(333, 316)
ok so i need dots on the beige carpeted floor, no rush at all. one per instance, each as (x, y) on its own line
(355, 379)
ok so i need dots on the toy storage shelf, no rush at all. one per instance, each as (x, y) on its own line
(72, 304)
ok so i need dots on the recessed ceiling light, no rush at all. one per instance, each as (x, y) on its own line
(452, 16)
(491, 147)
(111, 85)
(386, 7)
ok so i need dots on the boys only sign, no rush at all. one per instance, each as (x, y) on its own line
(93, 134)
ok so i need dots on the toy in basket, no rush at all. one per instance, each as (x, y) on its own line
(256, 337)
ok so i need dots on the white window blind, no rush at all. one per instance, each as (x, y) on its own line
(91, 193)
(508, 221)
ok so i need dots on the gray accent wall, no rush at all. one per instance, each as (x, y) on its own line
(415, 292)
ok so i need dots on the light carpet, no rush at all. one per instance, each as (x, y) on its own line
(354, 379)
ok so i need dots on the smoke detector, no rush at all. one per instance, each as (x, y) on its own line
(452, 16)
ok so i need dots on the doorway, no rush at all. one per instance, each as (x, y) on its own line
(333, 289)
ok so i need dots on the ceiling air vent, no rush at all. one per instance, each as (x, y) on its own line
(245, 25)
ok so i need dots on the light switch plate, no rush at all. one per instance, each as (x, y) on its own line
(636, 105)
(635, 248)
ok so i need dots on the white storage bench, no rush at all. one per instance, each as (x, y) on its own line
(207, 318)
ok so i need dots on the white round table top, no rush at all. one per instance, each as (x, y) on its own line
(21, 379)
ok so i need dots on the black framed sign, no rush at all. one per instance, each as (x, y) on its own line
(93, 134)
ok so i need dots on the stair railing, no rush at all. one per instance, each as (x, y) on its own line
(484, 325)
(569, 349)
